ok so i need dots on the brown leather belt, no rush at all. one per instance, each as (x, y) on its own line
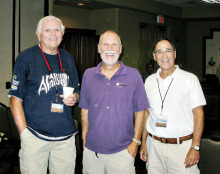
(172, 140)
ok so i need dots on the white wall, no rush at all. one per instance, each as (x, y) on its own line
(73, 17)
(130, 34)
(102, 20)
(31, 12)
(126, 23)
(6, 47)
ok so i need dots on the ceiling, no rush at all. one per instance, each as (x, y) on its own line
(92, 4)
(89, 4)
(187, 3)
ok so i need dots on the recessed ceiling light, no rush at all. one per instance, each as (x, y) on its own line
(80, 3)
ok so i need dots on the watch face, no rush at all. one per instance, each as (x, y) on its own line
(197, 147)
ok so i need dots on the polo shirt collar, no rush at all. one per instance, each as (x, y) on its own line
(121, 71)
(170, 76)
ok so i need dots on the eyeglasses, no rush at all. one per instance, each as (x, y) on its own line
(160, 53)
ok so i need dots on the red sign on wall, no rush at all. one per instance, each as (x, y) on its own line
(160, 19)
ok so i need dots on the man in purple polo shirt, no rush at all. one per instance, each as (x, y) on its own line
(110, 95)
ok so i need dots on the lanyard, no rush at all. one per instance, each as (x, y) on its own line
(49, 68)
(47, 61)
(165, 94)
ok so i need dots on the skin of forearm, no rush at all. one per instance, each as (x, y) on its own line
(145, 133)
(18, 113)
(198, 115)
(139, 120)
(85, 124)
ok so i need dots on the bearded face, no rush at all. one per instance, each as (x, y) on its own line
(110, 48)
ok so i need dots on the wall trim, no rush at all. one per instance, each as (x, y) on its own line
(13, 33)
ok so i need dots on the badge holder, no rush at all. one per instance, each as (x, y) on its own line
(161, 121)
(57, 106)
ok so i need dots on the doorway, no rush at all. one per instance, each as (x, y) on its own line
(149, 34)
(81, 44)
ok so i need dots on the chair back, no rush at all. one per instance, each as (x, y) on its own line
(7, 124)
(209, 157)
(4, 121)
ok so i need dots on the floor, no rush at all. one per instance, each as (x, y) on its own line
(9, 161)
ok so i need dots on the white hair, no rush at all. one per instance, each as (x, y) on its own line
(39, 25)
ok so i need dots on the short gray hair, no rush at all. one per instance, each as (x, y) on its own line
(39, 25)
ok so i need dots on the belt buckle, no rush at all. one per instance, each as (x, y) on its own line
(163, 139)
(180, 140)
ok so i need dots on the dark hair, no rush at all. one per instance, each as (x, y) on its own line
(174, 48)
(147, 65)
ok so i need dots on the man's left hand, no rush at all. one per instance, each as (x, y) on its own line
(70, 100)
(132, 149)
(192, 158)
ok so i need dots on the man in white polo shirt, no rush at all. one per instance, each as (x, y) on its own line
(176, 120)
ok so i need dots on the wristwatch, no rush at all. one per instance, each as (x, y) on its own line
(137, 141)
(195, 147)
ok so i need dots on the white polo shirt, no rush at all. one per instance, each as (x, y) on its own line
(184, 94)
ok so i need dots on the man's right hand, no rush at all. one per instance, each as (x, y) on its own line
(18, 113)
(143, 152)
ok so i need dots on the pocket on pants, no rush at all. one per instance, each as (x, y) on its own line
(128, 154)
(26, 134)
(193, 170)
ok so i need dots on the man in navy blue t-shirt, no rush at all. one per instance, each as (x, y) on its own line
(42, 115)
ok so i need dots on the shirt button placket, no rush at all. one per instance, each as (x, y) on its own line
(108, 86)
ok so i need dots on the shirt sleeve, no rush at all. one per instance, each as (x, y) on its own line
(197, 97)
(18, 80)
(140, 98)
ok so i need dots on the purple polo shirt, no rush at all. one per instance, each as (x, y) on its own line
(111, 105)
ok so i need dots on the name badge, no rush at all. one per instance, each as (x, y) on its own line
(57, 107)
(161, 121)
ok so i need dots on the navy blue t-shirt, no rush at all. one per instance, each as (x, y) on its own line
(36, 86)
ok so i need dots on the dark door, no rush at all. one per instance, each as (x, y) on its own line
(81, 44)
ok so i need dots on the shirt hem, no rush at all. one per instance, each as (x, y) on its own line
(46, 138)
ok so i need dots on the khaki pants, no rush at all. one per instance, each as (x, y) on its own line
(35, 154)
(168, 158)
(117, 163)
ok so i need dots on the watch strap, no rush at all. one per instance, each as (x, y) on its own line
(137, 141)
(195, 147)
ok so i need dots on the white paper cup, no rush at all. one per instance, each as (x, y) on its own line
(67, 91)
